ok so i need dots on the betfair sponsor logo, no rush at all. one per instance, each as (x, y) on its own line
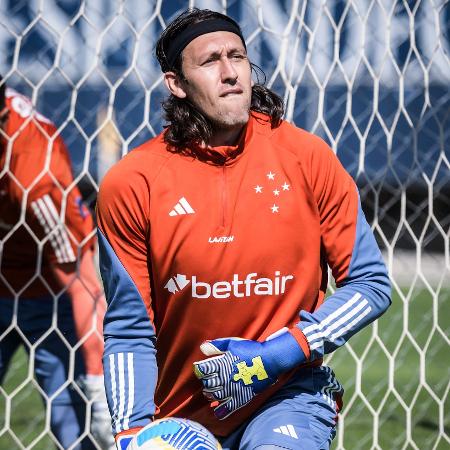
(177, 283)
(250, 285)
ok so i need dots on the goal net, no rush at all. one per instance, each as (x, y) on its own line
(369, 76)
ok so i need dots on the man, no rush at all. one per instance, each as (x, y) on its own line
(223, 225)
(51, 300)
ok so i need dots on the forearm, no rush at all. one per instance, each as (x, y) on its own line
(130, 381)
(362, 296)
(343, 314)
(88, 313)
(88, 305)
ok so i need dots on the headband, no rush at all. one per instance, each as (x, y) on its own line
(177, 45)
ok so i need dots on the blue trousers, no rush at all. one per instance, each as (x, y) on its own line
(51, 361)
(302, 415)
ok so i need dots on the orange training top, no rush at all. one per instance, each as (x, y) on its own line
(231, 241)
(43, 220)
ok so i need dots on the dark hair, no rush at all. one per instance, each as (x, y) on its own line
(2, 93)
(187, 126)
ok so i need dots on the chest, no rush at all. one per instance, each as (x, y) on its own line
(256, 214)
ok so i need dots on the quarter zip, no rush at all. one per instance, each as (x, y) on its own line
(224, 196)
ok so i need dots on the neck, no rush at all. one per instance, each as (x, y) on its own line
(226, 136)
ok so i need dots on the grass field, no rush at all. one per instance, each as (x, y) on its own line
(395, 403)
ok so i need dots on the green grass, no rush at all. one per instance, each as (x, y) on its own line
(390, 383)
(410, 337)
(20, 397)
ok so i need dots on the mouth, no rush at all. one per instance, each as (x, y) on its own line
(231, 92)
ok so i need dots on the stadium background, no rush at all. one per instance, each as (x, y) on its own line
(370, 76)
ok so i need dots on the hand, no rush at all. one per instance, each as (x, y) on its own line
(93, 387)
(239, 369)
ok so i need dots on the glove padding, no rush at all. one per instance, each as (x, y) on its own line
(239, 369)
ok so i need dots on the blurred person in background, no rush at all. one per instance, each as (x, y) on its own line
(51, 300)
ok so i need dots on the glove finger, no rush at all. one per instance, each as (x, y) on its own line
(209, 349)
(223, 410)
(230, 405)
(218, 345)
(207, 367)
(212, 382)
(213, 394)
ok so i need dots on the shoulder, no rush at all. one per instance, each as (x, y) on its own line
(144, 161)
(137, 170)
(25, 118)
(288, 137)
(299, 140)
(22, 106)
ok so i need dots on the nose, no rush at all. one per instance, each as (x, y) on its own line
(228, 72)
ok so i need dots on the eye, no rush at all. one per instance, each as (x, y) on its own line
(237, 56)
(210, 60)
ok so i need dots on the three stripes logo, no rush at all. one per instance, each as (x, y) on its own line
(48, 216)
(287, 430)
(338, 323)
(181, 208)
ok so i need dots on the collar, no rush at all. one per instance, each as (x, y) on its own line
(228, 154)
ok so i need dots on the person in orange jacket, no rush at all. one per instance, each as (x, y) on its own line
(215, 238)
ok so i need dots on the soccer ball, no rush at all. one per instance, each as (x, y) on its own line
(174, 434)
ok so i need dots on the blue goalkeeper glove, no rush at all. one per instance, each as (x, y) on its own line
(239, 369)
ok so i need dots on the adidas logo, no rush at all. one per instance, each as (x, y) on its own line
(287, 430)
(182, 207)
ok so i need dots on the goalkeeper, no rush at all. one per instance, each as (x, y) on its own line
(215, 238)
(48, 274)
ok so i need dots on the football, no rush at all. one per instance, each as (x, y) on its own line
(174, 434)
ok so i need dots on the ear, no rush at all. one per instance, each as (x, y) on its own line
(174, 84)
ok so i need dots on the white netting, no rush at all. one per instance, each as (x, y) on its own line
(370, 76)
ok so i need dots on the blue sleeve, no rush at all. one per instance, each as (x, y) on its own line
(129, 358)
(360, 298)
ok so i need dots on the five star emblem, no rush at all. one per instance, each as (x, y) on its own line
(276, 192)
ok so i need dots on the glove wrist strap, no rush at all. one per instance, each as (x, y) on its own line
(286, 351)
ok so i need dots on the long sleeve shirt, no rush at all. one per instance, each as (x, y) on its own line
(43, 220)
(232, 241)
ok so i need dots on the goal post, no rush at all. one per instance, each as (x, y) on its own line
(369, 76)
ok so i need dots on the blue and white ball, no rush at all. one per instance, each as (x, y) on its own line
(174, 434)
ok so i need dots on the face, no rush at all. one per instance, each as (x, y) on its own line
(217, 79)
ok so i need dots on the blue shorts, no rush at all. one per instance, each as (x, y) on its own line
(53, 351)
(302, 415)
